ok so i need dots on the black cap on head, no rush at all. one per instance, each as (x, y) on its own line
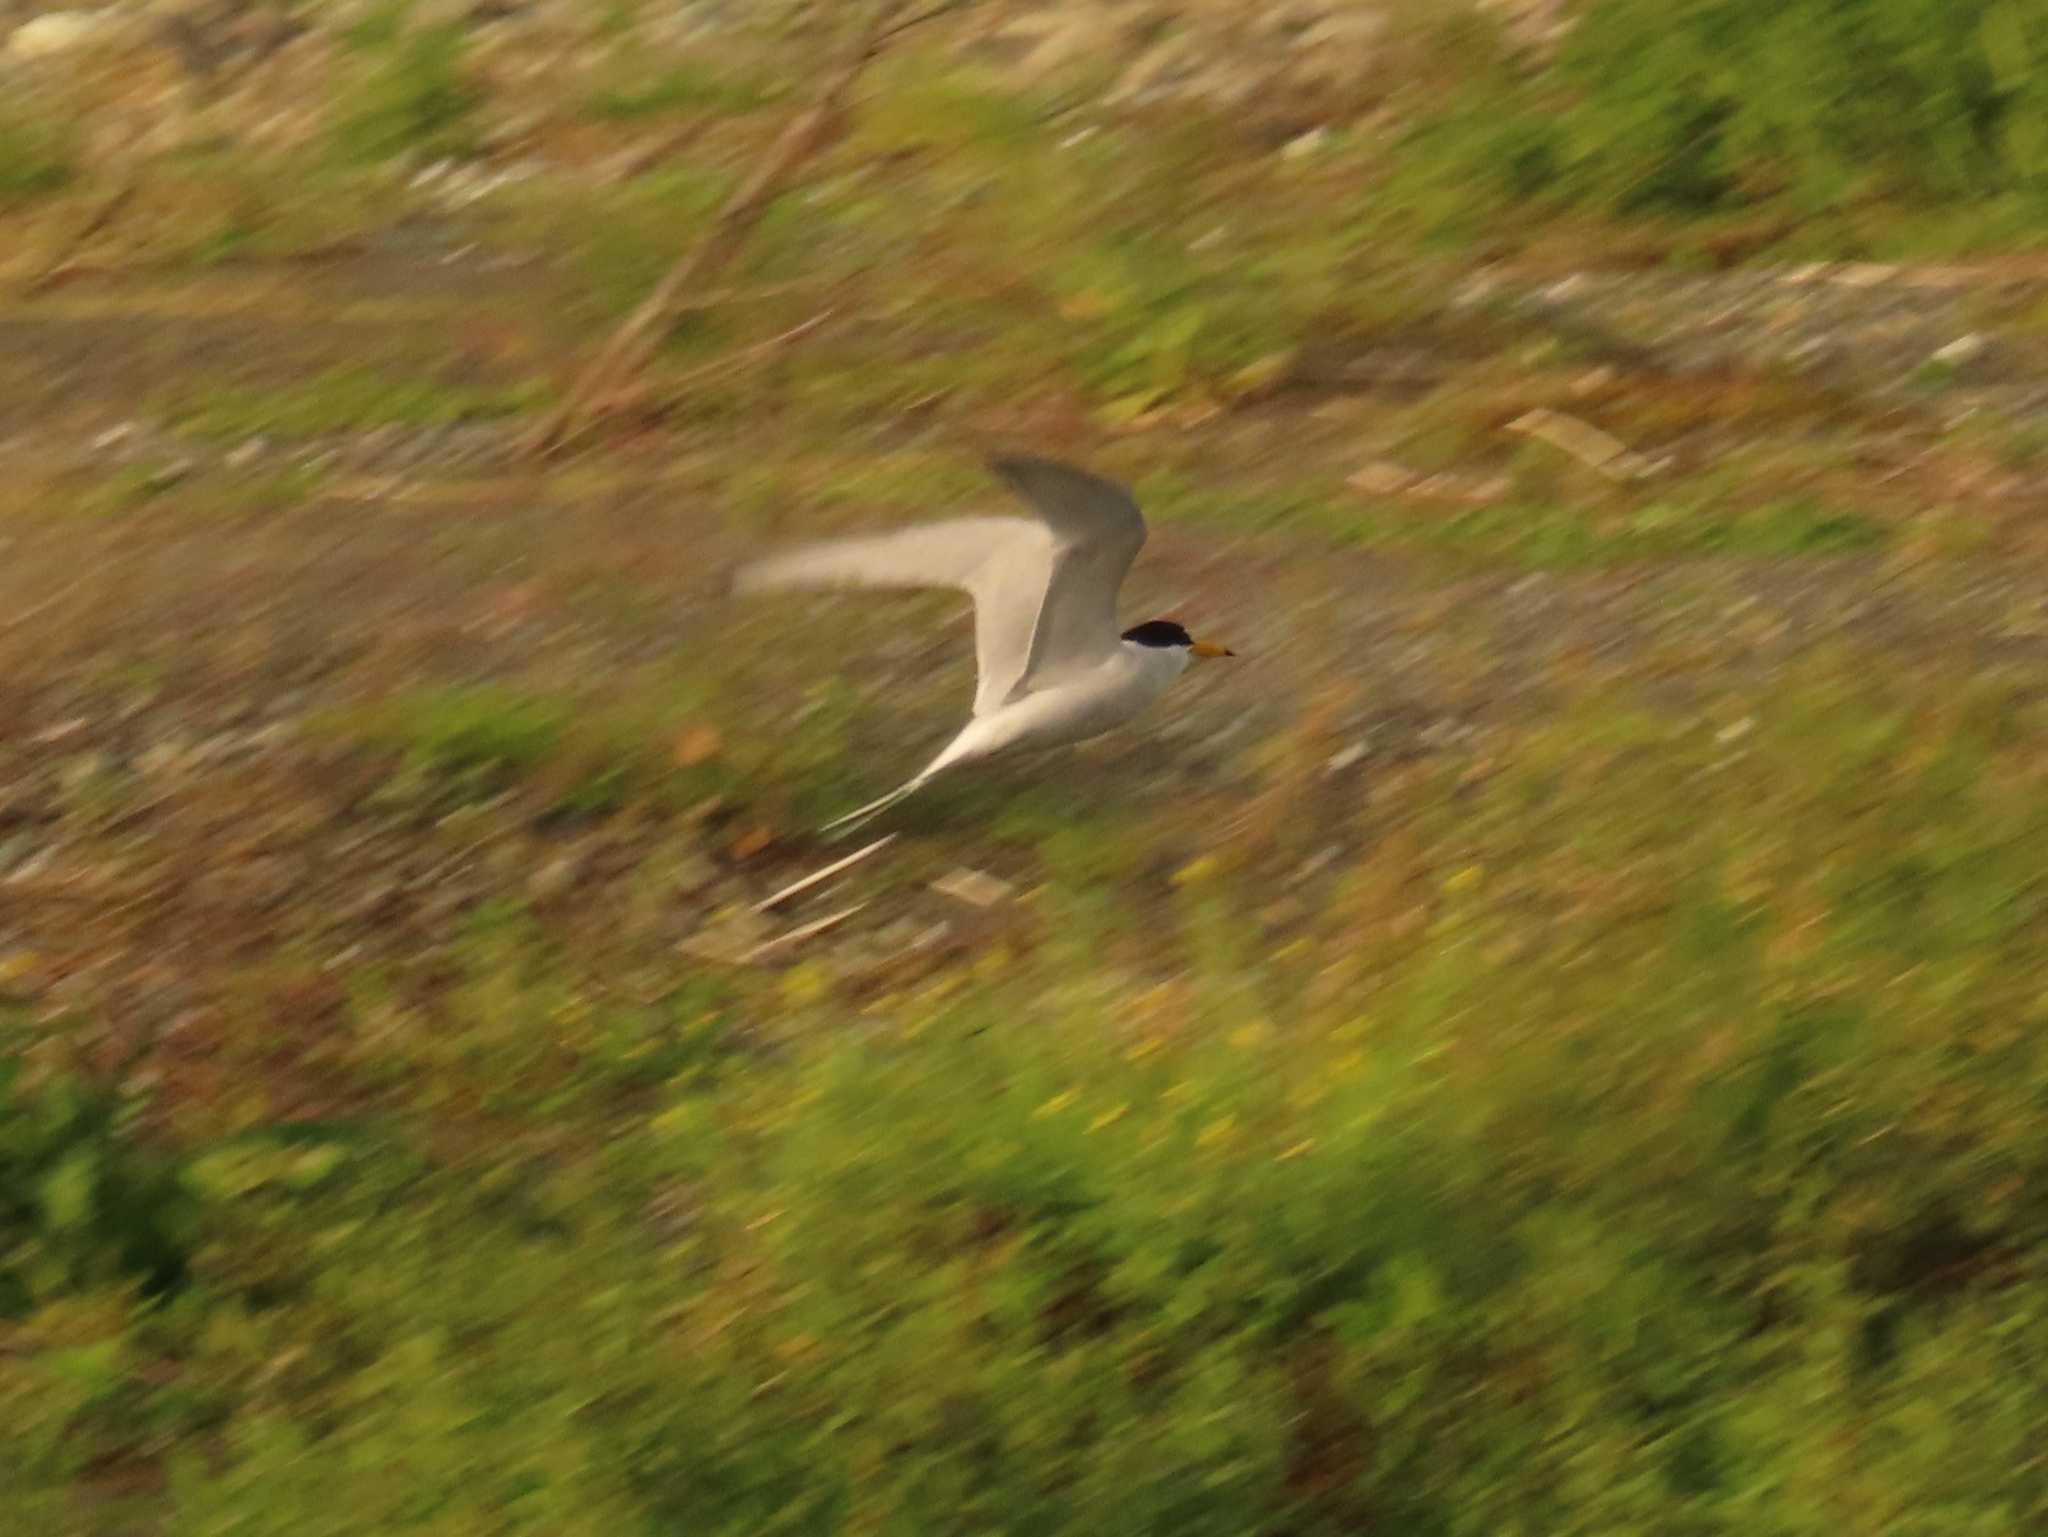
(1159, 632)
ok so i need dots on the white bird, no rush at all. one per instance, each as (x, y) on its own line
(1053, 667)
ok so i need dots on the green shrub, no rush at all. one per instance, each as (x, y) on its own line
(35, 156)
(406, 93)
(637, 92)
(82, 1203)
(1710, 106)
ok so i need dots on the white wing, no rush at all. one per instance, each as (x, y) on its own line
(1097, 532)
(1044, 588)
(1002, 563)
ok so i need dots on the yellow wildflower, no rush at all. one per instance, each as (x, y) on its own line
(1056, 1104)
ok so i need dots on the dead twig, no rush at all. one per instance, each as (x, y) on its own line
(775, 343)
(647, 156)
(931, 14)
(797, 936)
(718, 298)
(63, 261)
(633, 343)
(634, 399)
(819, 877)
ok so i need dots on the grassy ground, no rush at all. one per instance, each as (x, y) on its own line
(1547, 1041)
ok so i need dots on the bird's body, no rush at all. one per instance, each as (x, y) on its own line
(1080, 706)
(1053, 668)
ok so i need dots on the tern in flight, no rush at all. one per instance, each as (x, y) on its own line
(1052, 665)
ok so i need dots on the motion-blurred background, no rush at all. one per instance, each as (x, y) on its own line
(1548, 1040)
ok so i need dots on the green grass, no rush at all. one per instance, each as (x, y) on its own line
(35, 155)
(1149, 274)
(216, 204)
(1693, 520)
(1623, 1122)
(344, 400)
(621, 245)
(993, 252)
(125, 491)
(462, 744)
(479, 730)
(642, 92)
(1645, 1140)
(465, 745)
(140, 487)
(1548, 535)
(1879, 127)
(405, 92)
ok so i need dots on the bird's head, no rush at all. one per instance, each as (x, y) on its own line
(1169, 634)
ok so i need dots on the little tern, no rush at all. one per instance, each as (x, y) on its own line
(1052, 666)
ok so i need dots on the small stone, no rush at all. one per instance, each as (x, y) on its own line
(1344, 758)
(1304, 145)
(974, 887)
(1964, 349)
(60, 731)
(1316, 863)
(30, 868)
(164, 759)
(380, 901)
(1382, 477)
(83, 770)
(558, 877)
(57, 32)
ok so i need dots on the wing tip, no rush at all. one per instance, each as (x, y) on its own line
(1056, 488)
(755, 576)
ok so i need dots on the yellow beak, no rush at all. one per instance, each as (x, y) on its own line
(1210, 648)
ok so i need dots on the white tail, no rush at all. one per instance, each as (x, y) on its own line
(971, 743)
(841, 826)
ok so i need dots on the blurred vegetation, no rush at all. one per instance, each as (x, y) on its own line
(640, 88)
(1649, 1137)
(342, 400)
(1839, 110)
(1642, 1129)
(35, 154)
(407, 91)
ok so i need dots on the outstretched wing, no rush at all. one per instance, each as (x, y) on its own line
(1044, 587)
(1004, 564)
(1096, 531)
